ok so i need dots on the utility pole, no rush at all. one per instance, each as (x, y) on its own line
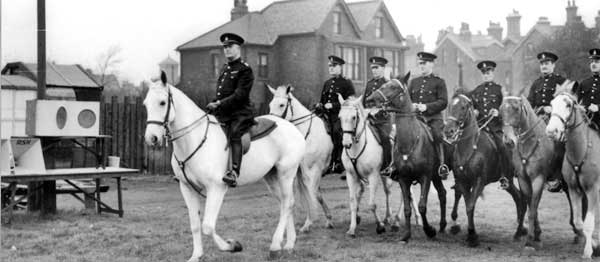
(41, 49)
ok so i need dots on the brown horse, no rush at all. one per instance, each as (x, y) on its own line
(476, 162)
(581, 164)
(533, 158)
(414, 153)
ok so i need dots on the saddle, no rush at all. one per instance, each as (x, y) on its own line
(426, 128)
(262, 128)
(374, 130)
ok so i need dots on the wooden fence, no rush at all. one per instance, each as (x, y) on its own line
(125, 122)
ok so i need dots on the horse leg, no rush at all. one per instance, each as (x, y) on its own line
(470, 202)
(589, 222)
(521, 208)
(527, 192)
(214, 200)
(405, 186)
(413, 206)
(306, 182)
(353, 191)
(387, 185)
(282, 184)
(374, 182)
(328, 216)
(577, 230)
(427, 228)
(192, 201)
(439, 187)
(455, 228)
(534, 189)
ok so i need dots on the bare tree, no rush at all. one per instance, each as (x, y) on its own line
(108, 62)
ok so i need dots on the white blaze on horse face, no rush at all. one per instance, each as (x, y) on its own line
(156, 107)
(455, 101)
(556, 127)
(278, 105)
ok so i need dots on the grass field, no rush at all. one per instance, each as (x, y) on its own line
(156, 228)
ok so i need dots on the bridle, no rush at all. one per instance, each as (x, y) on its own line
(295, 121)
(386, 105)
(461, 122)
(356, 135)
(572, 115)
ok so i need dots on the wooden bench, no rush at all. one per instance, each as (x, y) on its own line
(62, 187)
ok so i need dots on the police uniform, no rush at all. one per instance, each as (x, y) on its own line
(380, 120)
(234, 110)
(487, 96)
(331, 88)
(588, 91)
(431, 91)
(542, 90)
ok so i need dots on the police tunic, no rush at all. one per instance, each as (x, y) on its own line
(589, 93)
(485, 97)
(372, 85)
(431, 91)
(331, 88)
(542, 90)
(233, 90)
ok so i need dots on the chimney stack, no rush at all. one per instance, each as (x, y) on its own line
(598, 20)
(495, 31)
(513, 22)
(465, 33)
(240, 8)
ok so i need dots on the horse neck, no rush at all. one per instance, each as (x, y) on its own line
(186, 112)
(298, 110)
(407, 130)
(362, 132)
(526, 124)
(578, 138)
(469, 134)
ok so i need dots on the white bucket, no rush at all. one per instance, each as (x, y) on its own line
(114, 161)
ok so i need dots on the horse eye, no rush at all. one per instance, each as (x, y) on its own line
(281, 105)
(163, 103)
(353, 117)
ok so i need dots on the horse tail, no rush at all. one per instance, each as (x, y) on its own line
(302, 189)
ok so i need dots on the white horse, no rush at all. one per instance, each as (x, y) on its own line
(318, 149)
(581, 164)
(201, 145)
(362, 159)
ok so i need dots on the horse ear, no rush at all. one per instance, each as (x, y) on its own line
(340, 98)
(289, 89)
(163, 77)
(405, 78)
(271, 89)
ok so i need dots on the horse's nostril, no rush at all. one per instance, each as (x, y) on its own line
(154, 139)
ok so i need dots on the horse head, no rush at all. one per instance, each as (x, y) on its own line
(353, 120)
(281, 105)
(460, 115)
(564, 110)
(393, 93)
(160, 110)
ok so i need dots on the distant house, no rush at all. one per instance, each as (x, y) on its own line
(288, 43)
(171, 68)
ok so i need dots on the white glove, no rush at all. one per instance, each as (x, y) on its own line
(548, 109)
(328, 106)
(422, 107)
(593, 108)
(476, 112)
(494, 112)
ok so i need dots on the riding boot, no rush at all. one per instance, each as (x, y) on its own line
(387, 167)
(443, 170)
(231, 176)
(505, 164)
(556, 183)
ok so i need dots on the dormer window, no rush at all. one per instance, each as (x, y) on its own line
(337, 24)
(379, 27)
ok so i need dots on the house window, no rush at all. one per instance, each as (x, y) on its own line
(337, 24)
(379, 27)
(529, 51)
(353, 62)
(394, 62)
(216, 65)
(263, 65)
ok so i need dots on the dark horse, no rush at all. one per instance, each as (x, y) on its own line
(414, 154)
(476, 163)
(534, 159)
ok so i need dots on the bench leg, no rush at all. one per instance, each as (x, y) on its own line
(119, 196)
(99, 208)
(13, 191)
(89, 202)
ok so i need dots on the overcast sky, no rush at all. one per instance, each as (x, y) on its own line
(149, 30)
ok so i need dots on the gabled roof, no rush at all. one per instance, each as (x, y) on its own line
(546, 30)
(56, 75)
(288, 17)
(364, 12)
(17, 81)
(477, 41)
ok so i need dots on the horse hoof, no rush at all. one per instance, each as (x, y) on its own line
(358, 220)
(520, 233)
(329, 225)
(275, 254)
(380, 229)
(473, 241)
(195, 259)
(454, 229)
(429, 231)
(578, 240)
(405, 238)
(395, 228)
(535, 245)
(235, 246)
(304, 229)
(351, 234)
(442, 227)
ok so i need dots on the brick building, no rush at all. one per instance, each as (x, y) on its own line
(288, 43)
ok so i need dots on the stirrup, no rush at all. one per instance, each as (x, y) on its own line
(555, 187)
(443, 171)
(503, 182)
(388, 171)
(230, 178)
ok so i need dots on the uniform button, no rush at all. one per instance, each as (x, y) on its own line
(543, 101)
(592, 97)
(228, 67)
(543, 95)
(220, 87)
(546, 80)
(484, 93)
(218, 94)
(332, 81)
